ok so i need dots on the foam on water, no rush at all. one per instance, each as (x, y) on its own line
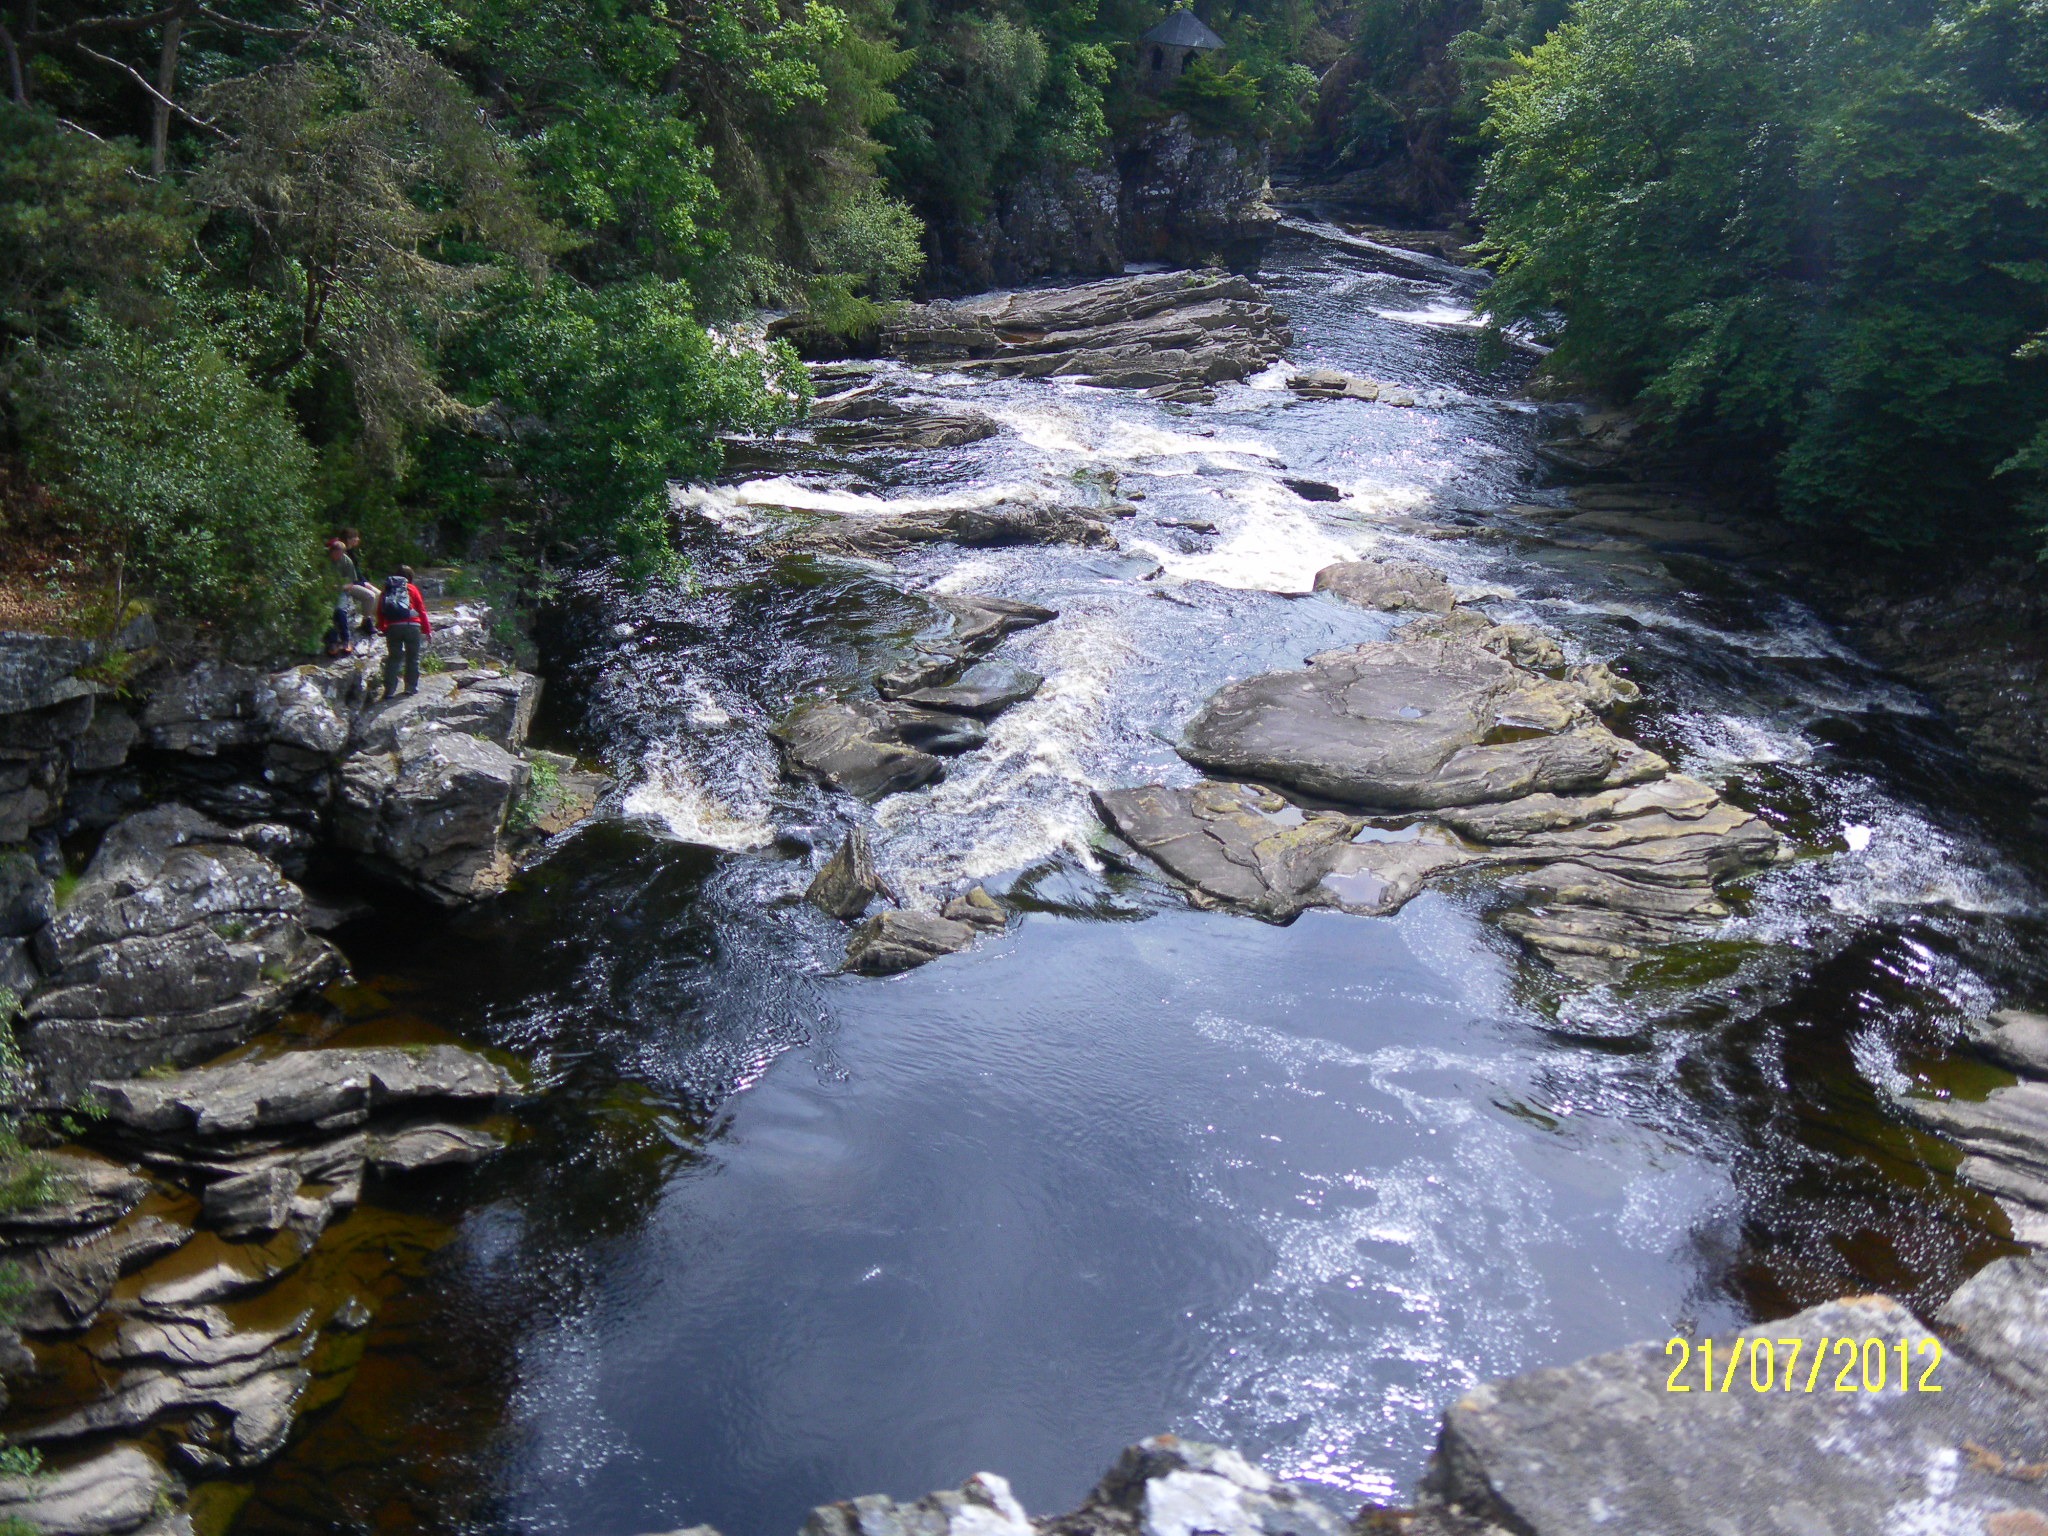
(671, 796)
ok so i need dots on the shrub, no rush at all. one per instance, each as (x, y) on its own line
(195, 480)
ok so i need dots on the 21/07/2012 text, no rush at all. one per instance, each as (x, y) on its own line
(1865, 1365)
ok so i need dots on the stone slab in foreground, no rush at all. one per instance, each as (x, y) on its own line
(1602, 1445)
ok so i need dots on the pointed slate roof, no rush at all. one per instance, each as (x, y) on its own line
(1183, 29)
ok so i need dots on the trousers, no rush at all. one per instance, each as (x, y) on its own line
(401, 649)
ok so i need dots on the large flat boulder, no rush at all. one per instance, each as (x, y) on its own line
(1412, 725)
(1246, 848)
(1149, 332)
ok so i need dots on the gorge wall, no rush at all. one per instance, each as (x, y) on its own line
(1170, 194)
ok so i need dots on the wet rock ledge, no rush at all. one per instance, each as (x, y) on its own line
(174, 1316)
(1603, 1445)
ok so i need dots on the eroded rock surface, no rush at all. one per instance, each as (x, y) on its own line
(1416, 724)
(853, 745)
(847, 884)
(1602, 1444)
(866, 418)
(901, 941)
(177, 943)
(998, 525)
(1392, 585)
(1607, 853)
(1171, 328)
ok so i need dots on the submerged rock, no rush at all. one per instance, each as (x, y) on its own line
(902, 941)
(1392, 585)
(1161, 330)
(848, 882)
(853, 745)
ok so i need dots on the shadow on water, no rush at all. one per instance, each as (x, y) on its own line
(772, 1236)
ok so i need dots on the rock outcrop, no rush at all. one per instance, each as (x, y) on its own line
(1333, 384)
(178, 942)
(1445, 750)
(1394, 586)
(1171, 195)
(1413, 724)
(865, 418)
(854, 745)
(195, 1336)
(1173, 328)
(998, 525)
(1608, 1443)
(2004, 1135)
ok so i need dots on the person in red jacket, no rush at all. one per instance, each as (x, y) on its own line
(402, 621)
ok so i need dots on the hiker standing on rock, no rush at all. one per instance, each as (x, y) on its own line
(349, 591)
(402, 621)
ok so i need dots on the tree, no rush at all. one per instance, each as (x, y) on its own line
(1814, 231)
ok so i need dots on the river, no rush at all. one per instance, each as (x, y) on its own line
(775, 1236)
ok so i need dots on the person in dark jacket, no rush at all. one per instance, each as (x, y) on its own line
(402, 621)
(343, 576)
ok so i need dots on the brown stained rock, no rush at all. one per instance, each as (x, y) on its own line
(900, 941)
(977, 909)
(848, 882)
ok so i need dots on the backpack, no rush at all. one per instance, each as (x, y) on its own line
(394, 606)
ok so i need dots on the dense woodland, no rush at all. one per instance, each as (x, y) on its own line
(477, 275)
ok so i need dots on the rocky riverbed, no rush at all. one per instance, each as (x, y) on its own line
(1331, 915)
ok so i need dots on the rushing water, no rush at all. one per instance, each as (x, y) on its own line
(775, 1236)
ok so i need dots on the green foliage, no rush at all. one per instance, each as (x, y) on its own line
(23, 1461)
(1815, 230)
(542, 796)
(601, 398)
(198, 479)
(77, 227)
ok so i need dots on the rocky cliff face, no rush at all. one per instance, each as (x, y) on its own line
(157, 1261)
(1170, 195)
